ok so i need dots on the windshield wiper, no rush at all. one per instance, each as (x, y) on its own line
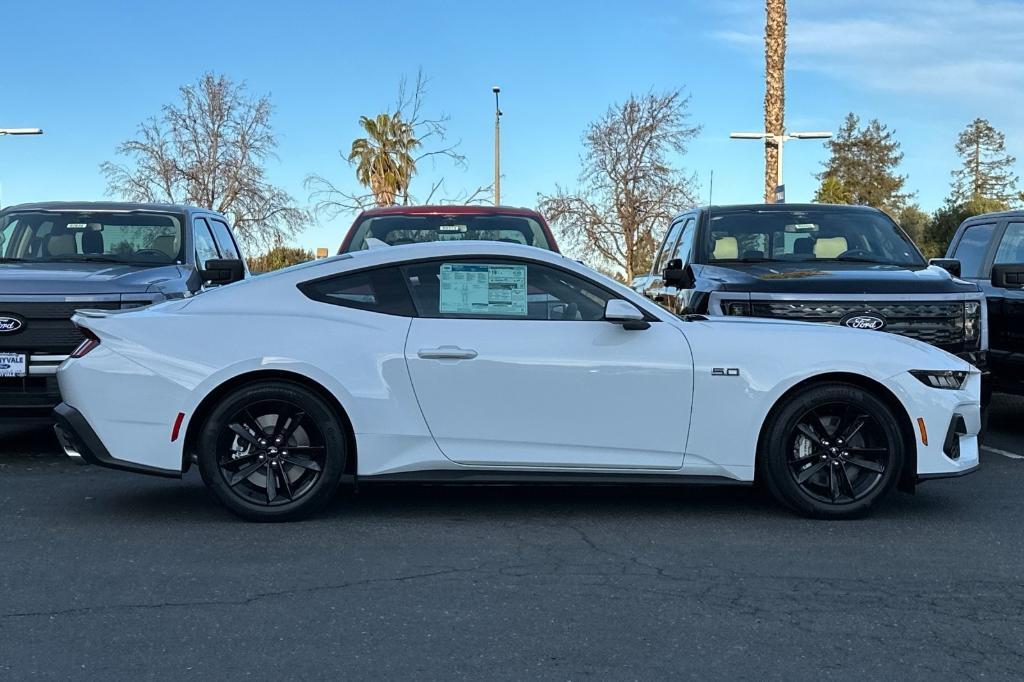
(93, 259)
(742, 260)
(856, 259)
(13, 260)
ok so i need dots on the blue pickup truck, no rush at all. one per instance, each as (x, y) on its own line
(58, 257)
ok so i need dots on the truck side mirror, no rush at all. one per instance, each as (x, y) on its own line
(1008, 275)
(678, 276)
(950, 265)
(223, 271)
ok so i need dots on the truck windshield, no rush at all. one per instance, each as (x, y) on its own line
(71, 236)
(395, 230)
(808, 235)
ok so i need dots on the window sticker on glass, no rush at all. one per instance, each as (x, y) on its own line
(483, 289)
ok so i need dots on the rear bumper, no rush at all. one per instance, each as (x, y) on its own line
(82, 445)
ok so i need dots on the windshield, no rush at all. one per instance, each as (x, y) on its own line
(68, 236)
(808, 235)
(395, 230)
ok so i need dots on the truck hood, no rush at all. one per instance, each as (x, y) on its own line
(833, 278)
(82, 278)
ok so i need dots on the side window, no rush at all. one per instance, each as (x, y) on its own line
(225, 242)
(206, 249)
(1011, 249)
(666, 248)
(683, 248)
(380, 291)
(972, 249)
(502, 289)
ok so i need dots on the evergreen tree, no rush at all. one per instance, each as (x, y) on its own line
(863, 167)
(914, 222)
(987, 171)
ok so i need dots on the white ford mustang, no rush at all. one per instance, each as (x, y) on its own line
(489, 362)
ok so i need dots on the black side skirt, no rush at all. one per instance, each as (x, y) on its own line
(506, 477)
(71, 425)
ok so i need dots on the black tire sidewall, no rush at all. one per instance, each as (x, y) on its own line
(335, 441)
(773, 466)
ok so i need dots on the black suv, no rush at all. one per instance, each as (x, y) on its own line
(848, 265)
(58, 257)
(990, 251)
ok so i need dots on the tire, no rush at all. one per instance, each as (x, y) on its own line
(273, 451)
(807, 464)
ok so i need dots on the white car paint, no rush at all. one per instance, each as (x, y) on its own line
(538, 395)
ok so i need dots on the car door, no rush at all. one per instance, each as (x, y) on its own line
(513, 365)
(1006, 310)
(654, 288)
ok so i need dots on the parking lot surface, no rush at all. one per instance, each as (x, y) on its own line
(110, 575)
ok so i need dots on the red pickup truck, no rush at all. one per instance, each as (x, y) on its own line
(396, 225)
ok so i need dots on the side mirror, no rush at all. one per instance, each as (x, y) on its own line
(950, 265)
(625, 313)
(223, 271)
(678, 276)
(1008, 275)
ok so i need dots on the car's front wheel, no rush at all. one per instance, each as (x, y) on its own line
(831, 451)
(272, 451)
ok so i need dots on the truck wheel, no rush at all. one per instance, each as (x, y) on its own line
(831, 451)
(272, 451)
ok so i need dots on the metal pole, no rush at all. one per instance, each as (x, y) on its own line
(497, 147)
(780, 141)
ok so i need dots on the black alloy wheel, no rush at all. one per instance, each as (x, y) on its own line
(839, 453)
(273, 451)
(831, 450)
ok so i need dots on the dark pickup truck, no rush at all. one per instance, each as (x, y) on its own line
(58, 257)
(848, 265)
(990, 252)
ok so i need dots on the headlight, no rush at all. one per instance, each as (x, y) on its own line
(941, 378)
(736, 308)
(972, 320)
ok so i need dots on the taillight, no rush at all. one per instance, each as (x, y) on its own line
(88, 343)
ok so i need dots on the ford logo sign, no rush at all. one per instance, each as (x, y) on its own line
(863, 321)
(9, 325)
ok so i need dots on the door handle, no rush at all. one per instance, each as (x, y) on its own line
(447, 353)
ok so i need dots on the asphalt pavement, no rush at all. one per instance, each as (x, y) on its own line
(108, 575)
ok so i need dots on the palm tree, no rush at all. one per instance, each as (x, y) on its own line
(774, 88)
(383, 159)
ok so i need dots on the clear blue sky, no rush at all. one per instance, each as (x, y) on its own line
(88, 72)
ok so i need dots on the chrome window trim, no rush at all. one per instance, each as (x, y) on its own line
(60, 298)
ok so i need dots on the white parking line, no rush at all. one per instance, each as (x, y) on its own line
(1004, 453)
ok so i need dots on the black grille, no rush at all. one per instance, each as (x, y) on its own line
(47, 326)
(938, 323)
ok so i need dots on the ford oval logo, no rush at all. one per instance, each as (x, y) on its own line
(864, 321)
(9, 325)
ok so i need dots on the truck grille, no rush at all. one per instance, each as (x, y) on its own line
(48, 327)
(937, 323)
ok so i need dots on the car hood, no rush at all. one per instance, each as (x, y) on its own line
(821, 347)
(833, 277)
(82, 278)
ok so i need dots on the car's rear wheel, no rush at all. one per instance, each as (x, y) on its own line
(832, 451)
(272, 451)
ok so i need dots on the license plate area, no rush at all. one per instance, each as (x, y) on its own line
(13, 365)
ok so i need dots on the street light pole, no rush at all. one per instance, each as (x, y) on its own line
(779, 141)
(497, 146)
(21, 131)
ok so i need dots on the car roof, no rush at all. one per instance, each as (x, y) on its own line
(105, 206)
(1015, 213)
(450, 209)
(440, 249)
(729, 208)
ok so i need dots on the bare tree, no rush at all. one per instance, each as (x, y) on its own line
(628, 187)
(389, 157)
(210, 150)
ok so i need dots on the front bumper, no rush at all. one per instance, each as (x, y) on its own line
(82, 445)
